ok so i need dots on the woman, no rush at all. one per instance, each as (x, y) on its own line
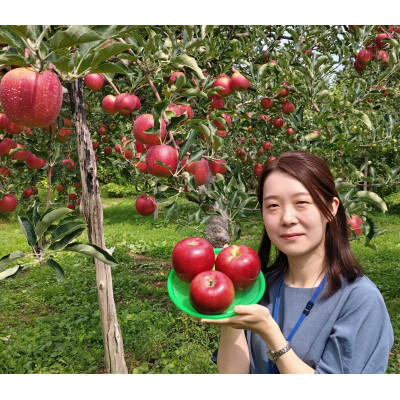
(320, 313)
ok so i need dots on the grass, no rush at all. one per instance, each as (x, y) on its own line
(52, 327)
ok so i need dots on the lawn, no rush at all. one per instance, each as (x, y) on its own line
(52, 327)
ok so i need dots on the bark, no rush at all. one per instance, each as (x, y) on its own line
(92, 211)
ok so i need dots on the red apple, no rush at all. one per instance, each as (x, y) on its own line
(20, 155)
(378, 40)
(30, 98)
(174, 108)
(102, 129)
(217, 167)
(228, 120)
(34, 162)
(216, 102)
(59, 188)
(287, 107)
(12, 128)
(27, 193)
(283, 93)
(140, 165)
(4, 172)
(355, 222)
(145, 205)
(94, 81)
(239, 82)
(72, 196)
(6, 145)
(211, 292)
(277, 122)
(383, 56)
(108, 104)
(290, 131)
(125, 103)
(364, 56)
(186, 108)
(271, 159)
(221, 133)
(241, 263)
(71, 206)
(258, 169)
(8, 203)
(165, 154)
(267, 145)
(107, 150)
(1, 121)
(64, 134)
(358, 66)
(266, 103)
(69, 163)
(191, 256)
(225, 82)
(172, 78)
(199, 169)
(144, 122)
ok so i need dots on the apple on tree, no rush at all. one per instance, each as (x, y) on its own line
(241, 263)
(191, 256)
(355, 223)
(225, 82)
(30, 98)
(94, 81)
(144, 122)
(8, 203)
(108, 104)
(239, 82)
(34, 162)
(145, 205)
(165, 154)
(211, 292)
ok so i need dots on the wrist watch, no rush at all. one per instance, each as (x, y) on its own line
(274, 355)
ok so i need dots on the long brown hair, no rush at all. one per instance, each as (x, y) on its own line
(316, 177)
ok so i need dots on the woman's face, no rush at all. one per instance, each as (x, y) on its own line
(292, 220)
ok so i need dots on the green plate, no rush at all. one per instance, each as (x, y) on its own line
(179, 293)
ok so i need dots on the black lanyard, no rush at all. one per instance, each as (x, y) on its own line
(272, 366)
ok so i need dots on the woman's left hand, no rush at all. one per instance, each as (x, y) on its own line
(252, 317)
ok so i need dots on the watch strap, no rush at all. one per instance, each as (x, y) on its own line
(273, 355)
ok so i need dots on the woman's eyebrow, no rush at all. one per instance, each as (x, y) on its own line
(273, 196)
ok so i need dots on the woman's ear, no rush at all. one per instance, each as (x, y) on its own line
(334, 206)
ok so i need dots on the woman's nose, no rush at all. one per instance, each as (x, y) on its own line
(288, 215)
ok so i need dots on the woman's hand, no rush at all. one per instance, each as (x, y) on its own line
(252, 317)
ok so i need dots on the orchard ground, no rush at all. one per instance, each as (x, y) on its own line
(53, 327)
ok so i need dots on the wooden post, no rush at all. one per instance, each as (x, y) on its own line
(92, 211)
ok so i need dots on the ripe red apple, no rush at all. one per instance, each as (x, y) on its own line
(6, 145)
(211, 292)
(290, 131)
(199, 169)
(1, 121)
(69, 163)
(30, 98)
(267, 145)
(239, 82)
(94, 81)
(34, 162)
(283, 93)
(108, 104)
(172, 78)
(364, 56)
(221, 133)
(20, 155)
(64, 134)
(59, 188)
(71, 206)
(191, 256)
(125, 103)
(140, 165)
(258, 169)
(271, 159)
(145, 205)
(266, 103)
(95, 145)
(355, 222)
(228, 120)
(287, 107)
(378, 40)
(216, 102)
(277, 122)
(173, 108)
(185, 108)
(358, 66)
(383, 56)
(164, 153)
(27, 193)
(107, 150)
(144, 122)
(72, 196)
(241, 263)
(12, 128)
(8, 203)
(225, 82)
(4, 172)
(102, 129)
(217, 167)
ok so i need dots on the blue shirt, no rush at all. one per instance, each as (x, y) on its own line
(347, 333)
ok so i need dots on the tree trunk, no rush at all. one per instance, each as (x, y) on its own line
(92, 211)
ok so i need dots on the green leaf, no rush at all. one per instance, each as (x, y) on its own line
(73, 36)
(175, 121)
(363, 117)
(49, 218)
(93, 251)
(372, 197)
(184, 60)
(107, 52)
(28, 230)
(66, 229)
(112, 68)
(12, 59)
(8, 273)
(10, 258)
(195, 156)
(159, 108)
(12, 38)
(57, 268)
(169, 210)
(66, 239)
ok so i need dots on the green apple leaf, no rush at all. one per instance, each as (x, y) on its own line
(28, 230)
(184, 60)
(10, 258)
(12, 38)
(49, 218)
(57, 268)
(93, 251)
(8, 273)
(59, 244)
(73, 36)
